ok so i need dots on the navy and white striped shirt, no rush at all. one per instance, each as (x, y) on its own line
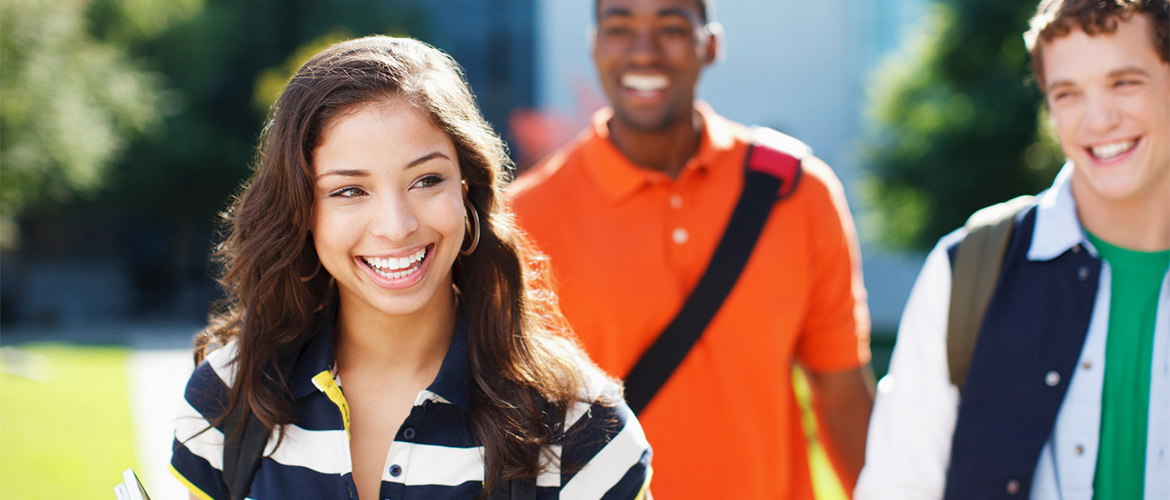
(434, 455)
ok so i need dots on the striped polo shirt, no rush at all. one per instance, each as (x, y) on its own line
(434, 455)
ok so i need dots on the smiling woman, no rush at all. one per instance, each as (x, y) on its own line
(390, 330)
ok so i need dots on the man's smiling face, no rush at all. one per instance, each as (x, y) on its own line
(1109, 96)
(649, 54)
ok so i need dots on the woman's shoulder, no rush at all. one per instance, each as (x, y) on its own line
(603, 437)
(599, 408)
(208, 386)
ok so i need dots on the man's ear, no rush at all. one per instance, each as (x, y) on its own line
(714, 33)
(591, 38)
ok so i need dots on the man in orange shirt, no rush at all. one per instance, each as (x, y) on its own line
(630, 214)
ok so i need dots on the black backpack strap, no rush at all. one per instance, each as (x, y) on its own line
(772, 172)
(243, 447)
(974, 274)
(515, 489)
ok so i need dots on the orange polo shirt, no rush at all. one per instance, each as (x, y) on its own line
(628, 244)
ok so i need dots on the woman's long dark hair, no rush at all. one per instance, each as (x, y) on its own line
(520, 352)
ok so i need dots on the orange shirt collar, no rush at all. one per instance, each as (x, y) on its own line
(619, 178)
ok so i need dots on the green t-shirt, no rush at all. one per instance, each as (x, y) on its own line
(1129, 349)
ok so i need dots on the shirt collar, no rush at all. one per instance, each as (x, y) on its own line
(454, 379)
(316, 356)
(619, 178)
(452, 383)
(1057, 227)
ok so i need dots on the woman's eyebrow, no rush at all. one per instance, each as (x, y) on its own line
(427, 157)
(344, 173)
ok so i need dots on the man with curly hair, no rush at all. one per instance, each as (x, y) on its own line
(1067, 394)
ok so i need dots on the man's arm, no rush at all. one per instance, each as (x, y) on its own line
(843, 401)
(909, 442)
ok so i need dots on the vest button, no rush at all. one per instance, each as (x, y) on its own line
(680, 236)
(676, 201)
(1013, 487)
(1083, 273)
(1052, 378)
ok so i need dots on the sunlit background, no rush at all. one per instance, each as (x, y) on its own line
(128, 124)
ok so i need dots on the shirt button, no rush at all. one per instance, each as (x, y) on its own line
(1052, 378)
(675, 201)
(1086, 365)
(1076, 249)
(1013, 487)
(1080, 450)
(1083, 273)
(680, 236)
(408, 433)
(395, 470)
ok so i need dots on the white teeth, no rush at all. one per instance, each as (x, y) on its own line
(392, 267)
(1107, 151)
(645, 83)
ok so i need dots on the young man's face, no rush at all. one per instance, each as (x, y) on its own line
(1109, 96)
(649, 54)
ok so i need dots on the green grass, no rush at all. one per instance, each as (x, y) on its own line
(68, 435)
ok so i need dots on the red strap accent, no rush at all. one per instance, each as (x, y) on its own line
(773, 162)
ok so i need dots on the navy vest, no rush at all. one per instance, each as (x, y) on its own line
(1023, 360)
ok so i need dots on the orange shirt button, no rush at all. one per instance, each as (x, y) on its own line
(680, 236)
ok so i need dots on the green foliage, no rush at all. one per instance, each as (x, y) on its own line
(71, 100)
(955, 121)
(271, 82)
(226, 65)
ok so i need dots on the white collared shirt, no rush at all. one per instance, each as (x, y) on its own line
(913, 421)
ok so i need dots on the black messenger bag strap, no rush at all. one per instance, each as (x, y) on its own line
(242, 452)
(771, 174)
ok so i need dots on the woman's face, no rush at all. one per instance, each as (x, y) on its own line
(388, 213)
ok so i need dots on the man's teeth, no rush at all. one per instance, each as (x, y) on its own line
(644, 83)
(1107, 151)
(392, 267)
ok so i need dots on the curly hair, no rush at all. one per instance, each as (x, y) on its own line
(1057, 18)
(521, 351)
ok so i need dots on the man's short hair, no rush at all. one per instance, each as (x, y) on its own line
(1057, 18)
(706, 10)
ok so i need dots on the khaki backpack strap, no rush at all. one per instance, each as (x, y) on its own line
(977, 264)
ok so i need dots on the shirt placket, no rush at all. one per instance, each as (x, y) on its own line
(681, 217)
(397, 468)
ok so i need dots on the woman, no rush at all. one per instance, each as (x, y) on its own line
(390, 328)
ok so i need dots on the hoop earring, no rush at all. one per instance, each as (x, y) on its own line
(467, 223)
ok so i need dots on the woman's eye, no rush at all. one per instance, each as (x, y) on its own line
(429, 181)
(347, 192)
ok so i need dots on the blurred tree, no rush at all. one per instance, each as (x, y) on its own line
(73, 95)
(956, 123)
(225, 66)
(207, 68)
